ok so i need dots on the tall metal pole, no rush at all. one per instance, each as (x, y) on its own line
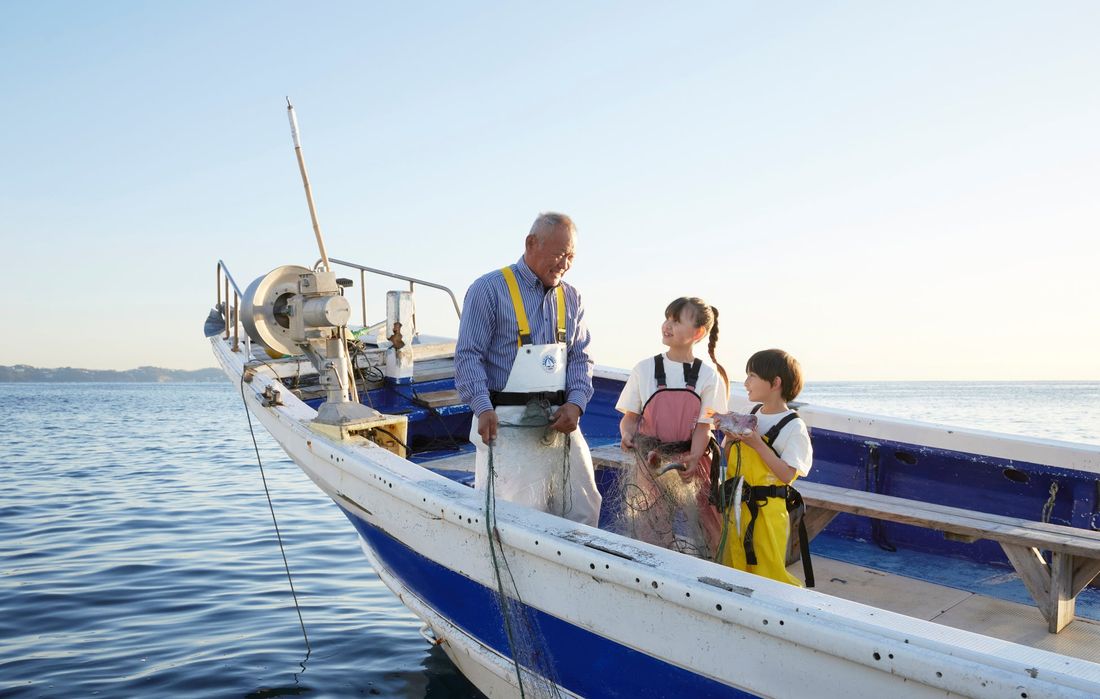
(305, 181)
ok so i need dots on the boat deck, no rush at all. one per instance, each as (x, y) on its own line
(961, 609)
(926, 586)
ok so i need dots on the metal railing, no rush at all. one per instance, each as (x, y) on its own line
(232, 314)
(411, 280)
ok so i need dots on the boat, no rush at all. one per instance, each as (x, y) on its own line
(376, 424)
(948, 561)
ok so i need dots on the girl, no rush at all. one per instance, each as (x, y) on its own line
(665, 404)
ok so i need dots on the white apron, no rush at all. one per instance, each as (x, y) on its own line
(531, 463)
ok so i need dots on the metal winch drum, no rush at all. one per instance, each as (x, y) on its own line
(280, 307)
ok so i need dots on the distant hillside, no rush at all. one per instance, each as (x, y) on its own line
(22, 373)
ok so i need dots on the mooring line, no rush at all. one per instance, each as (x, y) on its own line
(271, 507)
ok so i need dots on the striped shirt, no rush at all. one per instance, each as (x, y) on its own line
(489, 332)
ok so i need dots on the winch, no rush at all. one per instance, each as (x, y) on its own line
(293, 310)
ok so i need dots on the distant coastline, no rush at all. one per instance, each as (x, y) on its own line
(23, 373)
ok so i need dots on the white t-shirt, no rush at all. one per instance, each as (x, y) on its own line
(792, 444)
(641, 385)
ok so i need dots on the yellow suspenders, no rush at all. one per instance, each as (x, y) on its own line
(521, 313)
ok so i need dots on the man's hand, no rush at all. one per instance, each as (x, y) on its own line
(565, 418)
(487, 424)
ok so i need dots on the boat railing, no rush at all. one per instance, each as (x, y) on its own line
(231, 312)
(413, 281)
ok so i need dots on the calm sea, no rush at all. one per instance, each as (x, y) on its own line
(138, 559)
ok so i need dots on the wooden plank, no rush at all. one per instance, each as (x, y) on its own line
(967, 523)
(1084, 570)
(1033, 572)
(964, 538)
(816, 519)
(438, 399)
(1062, 603)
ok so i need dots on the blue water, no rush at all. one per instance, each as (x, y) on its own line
(137, 556)
(137, 559)
(1063, 410)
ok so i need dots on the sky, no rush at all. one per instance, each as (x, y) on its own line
(889, 191)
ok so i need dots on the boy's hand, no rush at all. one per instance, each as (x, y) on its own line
(754, 440)
(627, 443)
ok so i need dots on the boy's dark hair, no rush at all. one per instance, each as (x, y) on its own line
(771, 363)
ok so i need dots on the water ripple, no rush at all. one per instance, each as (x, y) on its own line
(137, 558)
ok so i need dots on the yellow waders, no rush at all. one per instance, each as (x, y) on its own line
(772, 527)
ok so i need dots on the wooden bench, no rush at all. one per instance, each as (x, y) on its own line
(1074, 553)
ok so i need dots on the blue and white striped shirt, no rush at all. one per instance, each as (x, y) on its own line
(488, 335)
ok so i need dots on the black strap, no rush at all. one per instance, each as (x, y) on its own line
(691, 373)
(796, 508)
(659, 370)
(773, 434)
(754, 499)
(756, 496)
(717, 470)
(510, 398)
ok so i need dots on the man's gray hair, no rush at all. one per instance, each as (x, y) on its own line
(549, 222)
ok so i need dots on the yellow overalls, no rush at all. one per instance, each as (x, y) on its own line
(772, 526)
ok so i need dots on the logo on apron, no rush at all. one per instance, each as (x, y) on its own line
(549, 364)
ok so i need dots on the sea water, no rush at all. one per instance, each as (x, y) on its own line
(138, 556)
(1062, 410)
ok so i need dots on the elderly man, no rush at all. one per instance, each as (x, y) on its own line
(522, 365)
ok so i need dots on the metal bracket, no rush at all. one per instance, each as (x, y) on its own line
(271, 397)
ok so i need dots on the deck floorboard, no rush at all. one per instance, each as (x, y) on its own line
(989, 616)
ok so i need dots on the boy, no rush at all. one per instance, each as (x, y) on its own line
(769, 458)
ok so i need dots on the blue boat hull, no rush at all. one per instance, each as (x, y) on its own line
(585, 663)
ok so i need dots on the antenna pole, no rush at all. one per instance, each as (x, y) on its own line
(305, 181)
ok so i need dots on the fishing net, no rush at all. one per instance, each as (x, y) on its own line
(653, 499)
(535, 671)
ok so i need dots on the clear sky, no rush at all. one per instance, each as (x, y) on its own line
(888, 190)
